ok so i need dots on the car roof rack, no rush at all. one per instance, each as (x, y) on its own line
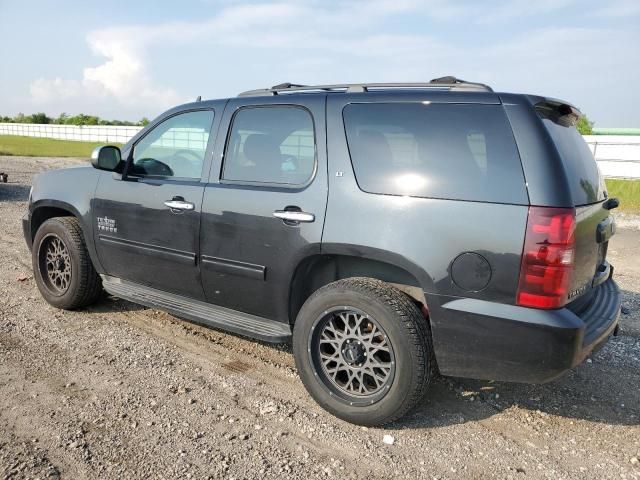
(444, 83)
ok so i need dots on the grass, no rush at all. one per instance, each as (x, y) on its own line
(628, 192)
(46, 147)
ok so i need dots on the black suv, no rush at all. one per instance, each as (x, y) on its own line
(391, 230)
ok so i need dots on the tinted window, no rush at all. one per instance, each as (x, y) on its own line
(452, 151)
(270, 145)
(585, 181)
(174, 148)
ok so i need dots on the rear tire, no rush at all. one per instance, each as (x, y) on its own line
(62, 267)
(363, 351)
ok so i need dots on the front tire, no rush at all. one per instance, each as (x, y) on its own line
(62, 267)
(363, 351)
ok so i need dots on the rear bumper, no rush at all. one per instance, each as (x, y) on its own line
(486, 340)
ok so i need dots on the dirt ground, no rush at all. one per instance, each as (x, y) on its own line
(122, 391)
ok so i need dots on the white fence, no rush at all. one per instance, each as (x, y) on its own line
(87, 133)
(618, 156)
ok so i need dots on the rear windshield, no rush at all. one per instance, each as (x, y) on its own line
(585, 181)
(449, 151)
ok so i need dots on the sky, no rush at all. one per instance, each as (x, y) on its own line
(128, 59)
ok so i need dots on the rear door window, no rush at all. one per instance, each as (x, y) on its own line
(448, 151)
(270, 145)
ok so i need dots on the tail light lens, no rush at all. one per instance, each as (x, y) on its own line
(547, 257)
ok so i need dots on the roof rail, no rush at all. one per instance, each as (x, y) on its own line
(448, 83)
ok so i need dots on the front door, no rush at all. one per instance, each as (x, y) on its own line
(147, 223)
(263, 210)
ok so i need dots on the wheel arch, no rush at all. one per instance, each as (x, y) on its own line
(316, 271)
(43, 210)
(46, 209)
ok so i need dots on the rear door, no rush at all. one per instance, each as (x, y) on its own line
(594, 224)
(263, 209)
(147, 223)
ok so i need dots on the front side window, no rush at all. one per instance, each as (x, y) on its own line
(174, 148)
(448, 151)
(270, 145)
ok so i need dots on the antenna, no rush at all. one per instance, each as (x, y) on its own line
(199, 99)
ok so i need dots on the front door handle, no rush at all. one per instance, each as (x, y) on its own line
(178, 204)
(294, 216)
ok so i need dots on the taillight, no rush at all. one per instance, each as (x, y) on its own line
(547, 257)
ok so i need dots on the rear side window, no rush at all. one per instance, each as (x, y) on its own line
(449, 151)
(270, 145)
(586, 183)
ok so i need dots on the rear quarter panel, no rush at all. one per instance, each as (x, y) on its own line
(423, 236)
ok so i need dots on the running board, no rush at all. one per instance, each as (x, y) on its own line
(199, 312)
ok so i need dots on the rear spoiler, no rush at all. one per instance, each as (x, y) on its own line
(558, 111)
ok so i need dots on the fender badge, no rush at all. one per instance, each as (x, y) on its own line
(107, 224)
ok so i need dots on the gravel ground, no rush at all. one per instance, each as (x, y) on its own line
(121, 391)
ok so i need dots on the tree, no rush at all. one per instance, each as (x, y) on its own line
(584, 126)
(39, 117)
(62, 119)
(82, 119)
(143, 122)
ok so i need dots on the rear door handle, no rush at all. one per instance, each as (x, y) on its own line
(294, 216)
(179, 204)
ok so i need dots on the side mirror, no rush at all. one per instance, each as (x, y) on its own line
(106, 157)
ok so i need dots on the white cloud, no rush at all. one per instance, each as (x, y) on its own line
(618, 9)
(44, 90)
(249, 45)
(518, 9)
(124, 74)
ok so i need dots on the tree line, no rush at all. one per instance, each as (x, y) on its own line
(584, 126)
(66, 119)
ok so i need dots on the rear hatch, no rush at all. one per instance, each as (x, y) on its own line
(594, 224)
